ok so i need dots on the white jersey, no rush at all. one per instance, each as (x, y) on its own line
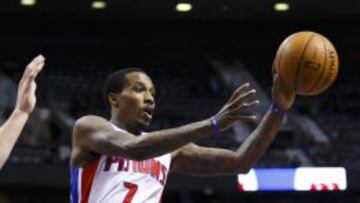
(114, 179)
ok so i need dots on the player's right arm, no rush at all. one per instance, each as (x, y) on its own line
(95, 134)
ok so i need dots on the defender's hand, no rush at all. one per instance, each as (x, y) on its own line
(26, 98)
(236, 109)
(282, 95)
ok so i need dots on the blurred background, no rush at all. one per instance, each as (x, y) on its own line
(197, 53)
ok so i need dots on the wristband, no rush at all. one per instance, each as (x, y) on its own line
(215, 125)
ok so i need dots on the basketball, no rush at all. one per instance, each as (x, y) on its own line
(307, 62)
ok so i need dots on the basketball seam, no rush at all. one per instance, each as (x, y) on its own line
(323, 69)
(301, 61)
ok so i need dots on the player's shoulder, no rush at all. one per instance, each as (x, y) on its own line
(90, 122)
(90, 118)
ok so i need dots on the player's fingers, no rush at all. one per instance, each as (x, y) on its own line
(30, 73)
(26, 81)
(239, 90)
(38, 59)
(28, 84)
(244, 107)
(24, 77)
(242, 98)
(36, 64)
(34, 71)
(252, 104)
(37, 69)
(41, 57)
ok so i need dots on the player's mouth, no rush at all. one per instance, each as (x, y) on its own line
(148, 111)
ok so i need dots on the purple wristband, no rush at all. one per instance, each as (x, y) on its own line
(277, 110)
(215, 125)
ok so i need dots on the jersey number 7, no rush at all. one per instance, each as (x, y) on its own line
(132, 190)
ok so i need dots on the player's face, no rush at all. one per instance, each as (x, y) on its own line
(136, 101)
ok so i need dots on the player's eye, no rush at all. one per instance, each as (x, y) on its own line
(138, 88)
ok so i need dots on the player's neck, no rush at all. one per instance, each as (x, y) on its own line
(133, 129)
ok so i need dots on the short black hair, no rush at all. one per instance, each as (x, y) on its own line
(115, 82)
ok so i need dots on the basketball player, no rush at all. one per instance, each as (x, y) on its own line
(25, 103)
(115, 161)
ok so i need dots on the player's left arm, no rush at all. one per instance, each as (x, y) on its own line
(197, 160)
(193, 159)
(25, 103)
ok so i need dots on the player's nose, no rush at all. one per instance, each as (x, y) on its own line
(149, 99)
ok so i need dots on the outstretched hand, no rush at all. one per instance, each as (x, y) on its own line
(26, 98)
(237, 108)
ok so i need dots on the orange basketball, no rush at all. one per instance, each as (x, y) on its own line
(307, 62)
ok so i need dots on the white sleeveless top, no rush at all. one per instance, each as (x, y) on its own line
(114, 179)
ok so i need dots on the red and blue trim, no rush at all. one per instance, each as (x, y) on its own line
(81, 182)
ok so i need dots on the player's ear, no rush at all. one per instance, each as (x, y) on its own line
(112, 99)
